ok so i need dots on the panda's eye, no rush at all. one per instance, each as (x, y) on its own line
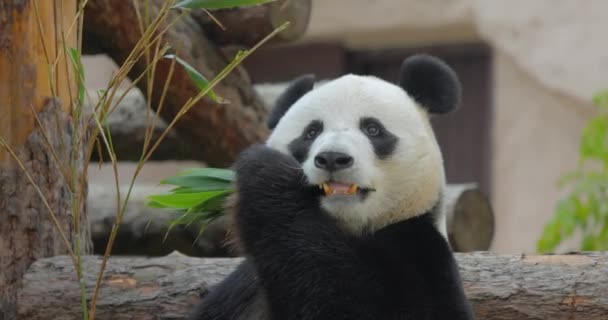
(312, 130)
(311, 133)
(372, 129)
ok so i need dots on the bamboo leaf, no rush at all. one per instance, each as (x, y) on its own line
(221, 174)
(79, 70)
(211, 204)
(154, 204)
(204, 188)
(190, 183)
(218, 4)
(199, 80)
(183, 200)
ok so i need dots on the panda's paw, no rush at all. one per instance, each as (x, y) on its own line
(265, 168)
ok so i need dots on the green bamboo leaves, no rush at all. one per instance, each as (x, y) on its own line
(198, 194)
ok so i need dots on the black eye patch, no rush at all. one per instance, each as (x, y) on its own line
(383, 141)
(300, 146)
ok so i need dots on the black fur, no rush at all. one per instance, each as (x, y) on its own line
(431, 82)
(298, 87)
(237, 297)
(300, 146)
(309, 268)
(384, 142)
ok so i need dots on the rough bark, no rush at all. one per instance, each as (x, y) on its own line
(247, 26)
(559, 287)
(26, 230)
(219, 132)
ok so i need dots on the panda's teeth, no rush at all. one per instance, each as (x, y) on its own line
(326, 189)
(329, 190)
(352, 189)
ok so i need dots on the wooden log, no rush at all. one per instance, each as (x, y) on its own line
(470, 217)
(500, 287)
(247, 26)
(218, 132)
(143, 229)
(147, 231)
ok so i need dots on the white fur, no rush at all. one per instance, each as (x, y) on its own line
(407, 183)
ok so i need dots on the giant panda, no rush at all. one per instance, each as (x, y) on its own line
(339, 214)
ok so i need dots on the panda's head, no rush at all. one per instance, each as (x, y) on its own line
(368, 142)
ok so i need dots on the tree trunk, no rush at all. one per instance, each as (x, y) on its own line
(26, 232)
(219, 132)
(247, 26)
(559, 287)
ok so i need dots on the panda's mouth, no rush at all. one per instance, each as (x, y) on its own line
(333, 188)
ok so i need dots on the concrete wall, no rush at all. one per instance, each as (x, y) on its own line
(536, 135)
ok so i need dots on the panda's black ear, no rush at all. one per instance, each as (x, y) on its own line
(295, 90)
(431, 82)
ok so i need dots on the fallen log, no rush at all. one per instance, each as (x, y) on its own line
(247, 26)
(216, 132)
(470, 218)
(143, 230)
(148, 231)
(500, 287)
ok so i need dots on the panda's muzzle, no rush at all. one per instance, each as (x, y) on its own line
(332, 161)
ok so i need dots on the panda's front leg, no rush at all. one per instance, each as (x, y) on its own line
(309, 268)
(272, 192)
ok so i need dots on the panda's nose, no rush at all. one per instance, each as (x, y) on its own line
(333, 161)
